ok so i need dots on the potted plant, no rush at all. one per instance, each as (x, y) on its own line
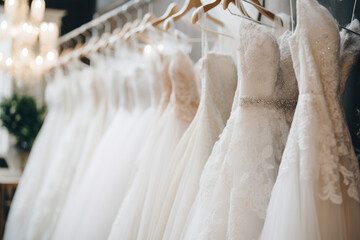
(23, 120)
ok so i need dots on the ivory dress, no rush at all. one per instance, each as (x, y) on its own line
(158, 148)
(236, 183)
(92, 208)
(59, 114)
(59, 176)
(316, 194)
(218, 76)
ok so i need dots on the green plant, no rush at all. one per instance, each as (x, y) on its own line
(21, 117)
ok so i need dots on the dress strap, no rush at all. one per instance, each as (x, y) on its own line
(204, 38)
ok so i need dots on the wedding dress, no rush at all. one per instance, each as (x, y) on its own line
(219, 79)
(59, 113)
(316, 194)
(158, 148)
(51, 197)
(236, 183)
(113, 164)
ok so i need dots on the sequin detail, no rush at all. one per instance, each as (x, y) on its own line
(247, 101)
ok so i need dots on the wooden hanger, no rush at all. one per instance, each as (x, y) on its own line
(138, 29)
(172, 9)
(126, 28)
(189, 4)
(149, 17)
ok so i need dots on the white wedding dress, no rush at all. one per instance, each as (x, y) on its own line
(236, 182)
(59, 113)
(93, 206)
(219, 79)
(316, 194)
(59, 175)
(158, 148)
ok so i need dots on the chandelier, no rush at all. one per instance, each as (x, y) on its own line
(33, 43)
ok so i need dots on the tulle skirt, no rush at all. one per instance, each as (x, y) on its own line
(92, 208)
(189, 159)
(46, 144)
(51, 197)
(307, 202)
(236, 183)
(130, 223)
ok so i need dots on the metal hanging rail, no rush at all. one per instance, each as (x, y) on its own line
(102, 19)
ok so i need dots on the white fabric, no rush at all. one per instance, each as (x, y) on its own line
(39, 160)
(308, 201)
(132, 220)
(112, 166)
(236, 183)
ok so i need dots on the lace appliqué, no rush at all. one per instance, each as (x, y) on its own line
(185, 95)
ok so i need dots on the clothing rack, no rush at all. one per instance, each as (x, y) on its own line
(126, 6)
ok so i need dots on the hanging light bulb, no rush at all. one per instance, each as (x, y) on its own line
(4, 26)
(39, 60)
(27, 34)
(33, 43)
(37, 10)
(51, 57)
(147, 49)
(53, 34)
(44, 33)
(38, 65)
(8, 62)
(25, 52)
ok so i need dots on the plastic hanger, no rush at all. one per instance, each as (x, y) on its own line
(139, 30)
(247, 18)
(208, 7)
(197, 13)
(189, 4)
(270, 15)
(149, 17)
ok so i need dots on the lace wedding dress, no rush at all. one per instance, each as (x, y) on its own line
(158, 148)
(45, 145)
(236, 182)
(316, 194)
(59, 175)
(218, 88)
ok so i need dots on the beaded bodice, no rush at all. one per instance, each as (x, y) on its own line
(184, 95)
(265, 71)
(258, 61)
(166, 86)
